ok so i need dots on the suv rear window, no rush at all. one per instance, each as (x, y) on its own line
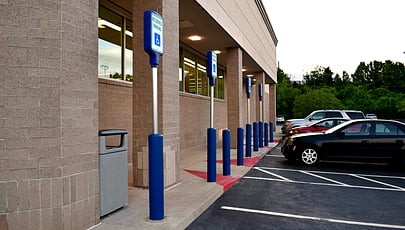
(355, 115)
(334, 114)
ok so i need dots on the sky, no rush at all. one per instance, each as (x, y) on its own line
(336, 33)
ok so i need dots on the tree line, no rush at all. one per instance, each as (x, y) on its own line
(376, 87)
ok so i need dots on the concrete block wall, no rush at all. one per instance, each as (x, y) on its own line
(115, 107)
(168, 96)
(48, 115)
(195, 119)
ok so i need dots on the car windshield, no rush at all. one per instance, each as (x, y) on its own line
(333, 129)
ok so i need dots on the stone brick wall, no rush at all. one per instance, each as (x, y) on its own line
(115, 107)
(48, 115)
(168, 96)
(195, 119)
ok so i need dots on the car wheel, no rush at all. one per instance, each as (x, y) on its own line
(309, 156)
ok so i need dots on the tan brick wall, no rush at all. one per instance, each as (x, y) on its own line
(79, 117)
(48, 115)
(195, 119)
(168, 96)
(115, 107)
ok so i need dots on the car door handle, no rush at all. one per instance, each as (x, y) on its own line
(365, 142)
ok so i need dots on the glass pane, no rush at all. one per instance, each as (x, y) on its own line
(190, 73)
(219, 84)
(128, 52)
(109, 44)
(202, 78)
(181, 71)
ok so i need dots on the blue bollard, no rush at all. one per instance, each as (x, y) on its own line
(156, 187)
(266, 134)
(226, 152)
(211, 155)
(240, 147)
(260, 134)
(271, 132)
(248, 140)
(255, 136)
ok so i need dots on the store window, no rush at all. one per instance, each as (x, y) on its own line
(114, 46)
(219, 85)
(193, 76)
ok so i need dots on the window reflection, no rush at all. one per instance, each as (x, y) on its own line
(190, 75)
(114, 61)
(202, 79)
(128, 52)
(193, 76)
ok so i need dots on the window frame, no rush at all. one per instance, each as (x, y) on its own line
(126, 17)
(198, 60)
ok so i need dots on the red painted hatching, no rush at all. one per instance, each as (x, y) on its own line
(225, 181)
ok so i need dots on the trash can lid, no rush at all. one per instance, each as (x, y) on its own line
(108, 132)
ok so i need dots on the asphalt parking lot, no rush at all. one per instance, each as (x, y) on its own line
(277, 194)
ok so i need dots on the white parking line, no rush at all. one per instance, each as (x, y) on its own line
(325, 184)
(369, 224)
(335, 173)
(378, 182)
(323, 178)
(270, 173)
(334, 182)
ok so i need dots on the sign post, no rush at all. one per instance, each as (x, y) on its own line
(248, 84)
(153, 45)
(211, 131)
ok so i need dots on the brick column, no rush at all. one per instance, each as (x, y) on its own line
(235, 95)
(168, 93)
(272, 103)
(49, 111)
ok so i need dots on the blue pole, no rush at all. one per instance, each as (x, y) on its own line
(255, 136)
(156, 191)
(240, 147)
(271, 132)
(211, 154)
(226, 152)
(248, 140)
(261, 134)
(266, 134)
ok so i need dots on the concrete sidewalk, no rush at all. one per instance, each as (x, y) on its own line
(185, 201)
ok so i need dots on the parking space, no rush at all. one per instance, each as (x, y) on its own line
(277, 194)
(361, 181)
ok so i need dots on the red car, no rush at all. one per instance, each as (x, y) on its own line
(318, 126)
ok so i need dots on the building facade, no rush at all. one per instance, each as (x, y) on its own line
(71, 68)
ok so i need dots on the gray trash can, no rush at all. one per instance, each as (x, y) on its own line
(113, 171)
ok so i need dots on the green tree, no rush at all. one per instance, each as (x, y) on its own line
(286, 94)
(376, 87)
(355, 97)
(385, 103)
(314, 99)
(320, 76)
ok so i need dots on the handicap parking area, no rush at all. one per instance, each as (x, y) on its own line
(276, 194)
(326, 178)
